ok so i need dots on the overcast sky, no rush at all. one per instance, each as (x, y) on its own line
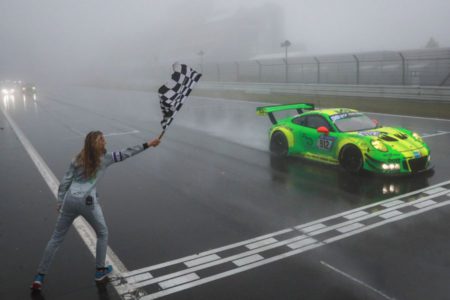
(65, 36)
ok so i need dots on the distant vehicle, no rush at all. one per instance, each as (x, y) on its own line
(345, 137)
(28, 89)
(8, 88)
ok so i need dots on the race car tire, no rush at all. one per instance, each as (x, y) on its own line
(279, 144)
(351, 159)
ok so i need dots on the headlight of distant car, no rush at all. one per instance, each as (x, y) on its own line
(378, 145)
(417, 137)
(5, 92)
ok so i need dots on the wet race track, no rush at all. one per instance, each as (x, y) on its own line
(209, 214)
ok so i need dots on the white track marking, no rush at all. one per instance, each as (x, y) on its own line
(434, 191)
(201, 260)
(313, 228)
(375, 215)
(218, 262)
(350, 227)
(424, 136)
(179, 280)
(83, 228)
(387, 203)
(228, 273)
(391, 214)
(121, 133)
(357, 281)
(355, 215)
(424, 203)
(302, 243)
(246, 260)
(261, 243)
(190, 257)
(412, 117)
(393, 203)
(390, 220)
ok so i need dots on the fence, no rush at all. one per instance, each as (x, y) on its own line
(422, 93)
(425, 67)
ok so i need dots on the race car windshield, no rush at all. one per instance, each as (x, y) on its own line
(352, 122)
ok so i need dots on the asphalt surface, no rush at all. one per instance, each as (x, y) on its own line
(210, 183)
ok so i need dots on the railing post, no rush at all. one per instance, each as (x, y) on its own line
(218, 72)
(357, 68)
(445, 80)
(286, 75)
(259, 71)
(318, 69)
(403, 68)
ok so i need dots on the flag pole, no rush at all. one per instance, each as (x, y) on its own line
(162, 134)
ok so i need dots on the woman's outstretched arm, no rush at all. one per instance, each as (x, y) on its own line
(118, 156)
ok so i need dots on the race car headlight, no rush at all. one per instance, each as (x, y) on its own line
(378, 145)
(390, 166)
(417, 137)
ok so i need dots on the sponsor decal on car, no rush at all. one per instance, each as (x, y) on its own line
(334, 118)
(372, 133)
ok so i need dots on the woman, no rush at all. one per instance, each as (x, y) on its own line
(77, 196)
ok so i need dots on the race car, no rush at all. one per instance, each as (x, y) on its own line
(345, 137)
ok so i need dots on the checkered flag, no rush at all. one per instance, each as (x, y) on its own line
(175, 91)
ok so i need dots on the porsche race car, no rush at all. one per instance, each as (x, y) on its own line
(345, 137)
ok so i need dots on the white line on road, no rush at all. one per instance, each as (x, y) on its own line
(435, 134)
(84, 230)
(379, 212)
(121, 133)
(412, 117)
(357, 281)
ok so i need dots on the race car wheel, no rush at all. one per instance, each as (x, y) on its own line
(279, 144)
(351, 159)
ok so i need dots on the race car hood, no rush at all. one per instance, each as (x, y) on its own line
(394, 138)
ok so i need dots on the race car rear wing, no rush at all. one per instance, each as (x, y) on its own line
(269, 110)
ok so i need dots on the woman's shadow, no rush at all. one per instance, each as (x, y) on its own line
(102, 292)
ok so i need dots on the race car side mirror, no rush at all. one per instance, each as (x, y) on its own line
(323, 130)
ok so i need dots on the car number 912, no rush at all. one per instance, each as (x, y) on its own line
(325, 143)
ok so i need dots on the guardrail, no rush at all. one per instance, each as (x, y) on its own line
(372, 91)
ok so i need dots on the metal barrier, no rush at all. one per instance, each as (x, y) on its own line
(428, 67)
(425, 93)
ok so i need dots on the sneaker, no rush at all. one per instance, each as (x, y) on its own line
(101, 273)
(37, 282)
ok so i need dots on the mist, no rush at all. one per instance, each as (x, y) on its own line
(81, 41)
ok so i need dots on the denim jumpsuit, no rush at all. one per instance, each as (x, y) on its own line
(72, 193)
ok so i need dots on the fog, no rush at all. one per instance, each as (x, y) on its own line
(80, 40)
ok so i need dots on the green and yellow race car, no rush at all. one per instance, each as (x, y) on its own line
(345, 137)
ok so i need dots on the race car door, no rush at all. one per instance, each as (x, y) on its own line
(317, 146)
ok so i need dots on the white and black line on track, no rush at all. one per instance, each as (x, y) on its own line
(184, 273)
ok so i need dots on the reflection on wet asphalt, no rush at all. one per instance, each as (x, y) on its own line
(368, 188)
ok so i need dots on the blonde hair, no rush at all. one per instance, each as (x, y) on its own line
(90, 156)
